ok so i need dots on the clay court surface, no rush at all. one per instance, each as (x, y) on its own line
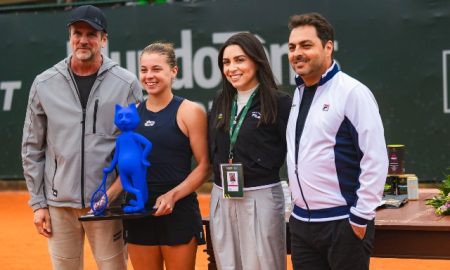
(23, 249)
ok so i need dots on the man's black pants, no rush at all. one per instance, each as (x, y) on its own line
(330, 245)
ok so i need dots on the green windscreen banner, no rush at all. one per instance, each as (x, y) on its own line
(399, 49)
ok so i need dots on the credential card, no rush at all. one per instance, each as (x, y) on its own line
(232, 180)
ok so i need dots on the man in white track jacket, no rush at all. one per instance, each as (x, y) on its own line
(337, 160)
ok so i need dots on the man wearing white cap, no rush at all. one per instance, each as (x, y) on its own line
(68, 138)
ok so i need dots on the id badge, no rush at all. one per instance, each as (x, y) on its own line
(232, 180)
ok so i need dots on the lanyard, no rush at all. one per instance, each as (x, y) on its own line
(235, 127)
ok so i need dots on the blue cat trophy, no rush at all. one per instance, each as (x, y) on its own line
(130, 157)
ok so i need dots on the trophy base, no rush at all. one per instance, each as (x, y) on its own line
(115, 213)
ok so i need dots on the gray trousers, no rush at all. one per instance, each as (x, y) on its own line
(249, 233)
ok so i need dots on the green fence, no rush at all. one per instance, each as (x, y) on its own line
(399, 49)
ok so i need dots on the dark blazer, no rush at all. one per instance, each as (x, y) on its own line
(261, 150)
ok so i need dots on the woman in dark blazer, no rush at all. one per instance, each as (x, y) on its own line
(247, 203)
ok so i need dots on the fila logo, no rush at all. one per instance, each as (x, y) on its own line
(256, 115)
(149, 123)
(326, 107)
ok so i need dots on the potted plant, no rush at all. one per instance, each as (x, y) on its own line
(441, 202)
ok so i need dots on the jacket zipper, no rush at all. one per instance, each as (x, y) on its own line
(83, 130)
(54, 191)
(297, 149)
(94, 128)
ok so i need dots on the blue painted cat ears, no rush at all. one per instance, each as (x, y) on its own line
(132, 106)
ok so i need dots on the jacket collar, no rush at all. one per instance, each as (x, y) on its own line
(325, 77)
(63, 66)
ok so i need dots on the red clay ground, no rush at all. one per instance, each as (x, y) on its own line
(21, 248)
